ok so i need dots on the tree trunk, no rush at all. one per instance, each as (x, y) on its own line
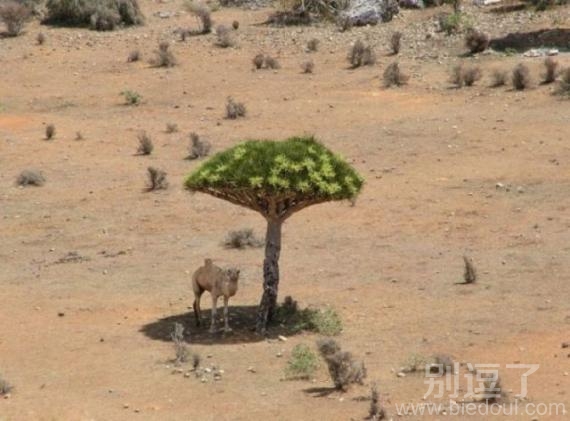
(270, 274)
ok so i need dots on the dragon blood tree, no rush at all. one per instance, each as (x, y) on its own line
(276, 179)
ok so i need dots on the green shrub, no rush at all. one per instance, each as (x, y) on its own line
(326, 322)
(131, 97)
(453, 23)
(302, 364)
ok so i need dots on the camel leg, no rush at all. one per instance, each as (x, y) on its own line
(196, 306)
(227, 327)
(214, 305)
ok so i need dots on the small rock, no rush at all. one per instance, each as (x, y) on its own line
(400, 374)
(565, 345)
(125, 406)
(251, 369)
(279, 354)
(282, 338)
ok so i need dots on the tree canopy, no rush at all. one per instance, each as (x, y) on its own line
(277, 178)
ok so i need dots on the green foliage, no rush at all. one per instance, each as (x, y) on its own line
(454, 22)
(131, 97)
(299, 165)
(326, 322)
(302, 364)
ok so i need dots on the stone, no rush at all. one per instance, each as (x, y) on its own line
(370, 12)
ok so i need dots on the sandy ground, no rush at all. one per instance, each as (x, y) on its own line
(87, 340)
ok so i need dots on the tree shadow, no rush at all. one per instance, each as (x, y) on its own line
(242, 322)
(320, 392)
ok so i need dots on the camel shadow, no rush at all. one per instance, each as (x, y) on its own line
(242, 322)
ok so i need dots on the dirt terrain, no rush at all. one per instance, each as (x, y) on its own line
(85, 336)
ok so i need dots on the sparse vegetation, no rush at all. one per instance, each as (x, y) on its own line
(302, 364)
(157, 179)
(234, 109)
(5, 387)
(30, 178)
(343, 368)
(470, 273)
(145, 144)
(101, 15)
(50, 131)
(499, 78)
(240, 239)
(476, 41)
(492, 389)
(521, 77)
(131, 97)
(14, 15)
(181, 350)
(442, 363)
(313, 44)
(453, 23)
(134, 55)
(361, 55)
(457, 76)
(395, 42)
(224, 36)
(414, 363)
(203, 14)
(308, 66)
(376, 412)
(171, 128)
(163, 56)
(198, 148)
(261, 61)
(393, 76)
(551, 70)
(235, 25)
(40, 38)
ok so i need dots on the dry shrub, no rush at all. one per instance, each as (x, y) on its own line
(393, 76)
(564, 84)
(241, 239)
(258, 61)
(5, 387)
(30, 178)
(313, 44)
(157, 179)
(271, 63)
(521, 77)
(101, 15)
(470, 273)
(343, 368)
(395, 42)
(134, 55)
(551, 70)
(181, 350)
(204, 15)
(224, 35)
(163, 56)
(14, 15)
(145, 144)
(290, 18)
(308, 66)
(171, 127)
(499, 78)
(471, 75)
(50, 131)
(198, 148)
(361, 55)
(234, 109)
(476, 41)
(461, 75)
(376, 412)
(235, 25)
(40, 38)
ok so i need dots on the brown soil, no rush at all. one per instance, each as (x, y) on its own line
(86, 338)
